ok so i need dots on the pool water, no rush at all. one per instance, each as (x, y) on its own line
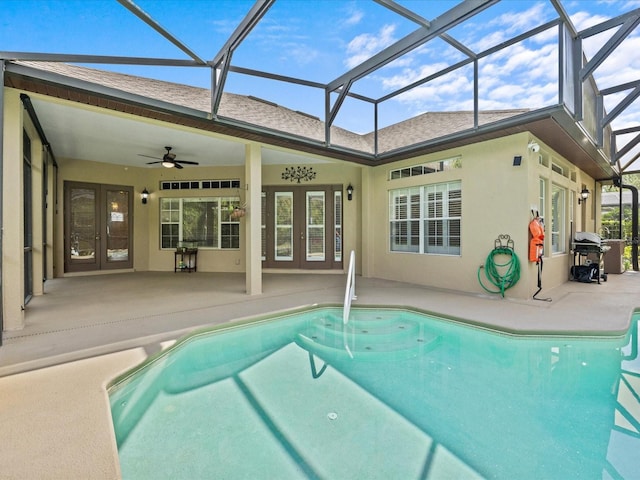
(395, 394)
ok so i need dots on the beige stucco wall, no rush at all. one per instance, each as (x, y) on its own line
(497, 198)
(147, 254)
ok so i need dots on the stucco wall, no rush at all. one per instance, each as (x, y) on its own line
(147, 254)
(497, 198)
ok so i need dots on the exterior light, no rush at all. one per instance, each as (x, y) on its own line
(349, 192)
(584, 194)
(144, 196)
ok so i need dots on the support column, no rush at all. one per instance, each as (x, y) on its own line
(12, 218)
(367, 235)
(253, 219)
(37, 165)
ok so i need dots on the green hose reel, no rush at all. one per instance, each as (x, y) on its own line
(502, 267)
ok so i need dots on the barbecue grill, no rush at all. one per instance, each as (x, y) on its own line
(588, 251)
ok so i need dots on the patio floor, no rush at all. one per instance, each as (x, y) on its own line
(54, 414)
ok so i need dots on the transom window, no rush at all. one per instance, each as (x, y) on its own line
(203, 222)
(426, 219)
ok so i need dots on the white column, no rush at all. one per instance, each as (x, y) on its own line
(37, 156)
(253, 219)
(367, 251)
(12, 221)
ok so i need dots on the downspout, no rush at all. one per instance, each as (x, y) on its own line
(634, 220)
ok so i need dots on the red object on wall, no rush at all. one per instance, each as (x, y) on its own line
(536, 244)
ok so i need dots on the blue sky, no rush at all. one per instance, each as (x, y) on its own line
(320, 40)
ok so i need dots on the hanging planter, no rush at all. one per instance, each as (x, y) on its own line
(238, 212)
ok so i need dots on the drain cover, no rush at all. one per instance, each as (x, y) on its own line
(332, 415)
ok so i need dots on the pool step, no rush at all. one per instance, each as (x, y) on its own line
(372, 338)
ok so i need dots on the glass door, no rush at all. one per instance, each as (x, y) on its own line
(315, 215)
(284, 235)
(98, 227)
(297, 226)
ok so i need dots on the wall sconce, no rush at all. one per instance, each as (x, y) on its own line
(349, 192)
(584, 194)
(145, 196)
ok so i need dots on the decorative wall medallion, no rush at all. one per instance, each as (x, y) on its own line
(298, 173)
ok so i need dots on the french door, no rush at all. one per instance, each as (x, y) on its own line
(98, 227)
(302, 227)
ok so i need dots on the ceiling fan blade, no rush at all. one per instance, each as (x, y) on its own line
(177, 165)
(187, 162)
(149, 156)
(149, 163)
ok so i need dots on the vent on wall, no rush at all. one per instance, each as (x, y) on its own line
(199, 184)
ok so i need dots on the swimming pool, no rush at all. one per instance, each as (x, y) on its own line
(396, 394)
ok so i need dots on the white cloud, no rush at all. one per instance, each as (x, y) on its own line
(583, 19)
(354, 17)
(516, 22)
(408, 76)
(366, 45)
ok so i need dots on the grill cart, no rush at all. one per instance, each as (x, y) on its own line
(588, 253)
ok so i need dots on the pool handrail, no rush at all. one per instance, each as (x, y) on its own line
(350, 290)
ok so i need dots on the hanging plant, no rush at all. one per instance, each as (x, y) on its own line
(236, 212)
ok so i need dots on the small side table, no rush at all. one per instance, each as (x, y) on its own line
(188, 261)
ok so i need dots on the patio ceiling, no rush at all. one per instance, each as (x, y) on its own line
(75, 132)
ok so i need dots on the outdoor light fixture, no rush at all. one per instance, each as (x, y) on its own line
(349, 192)
(584, 194)
(145, 196)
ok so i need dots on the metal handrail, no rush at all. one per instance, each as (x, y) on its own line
(350, 290)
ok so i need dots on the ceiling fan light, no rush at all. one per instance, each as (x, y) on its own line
(168, 164)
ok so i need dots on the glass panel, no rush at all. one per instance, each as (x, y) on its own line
(169, 218)
(315, 226)
(117, 226)
(337, 215)
(263, 224)
(284, 226)
(28, 219)
(557, 219)
(83, 223)
(200, 221)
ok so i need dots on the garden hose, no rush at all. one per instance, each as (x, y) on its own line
(501, 275)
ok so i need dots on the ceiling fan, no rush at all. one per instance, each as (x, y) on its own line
(169, 160)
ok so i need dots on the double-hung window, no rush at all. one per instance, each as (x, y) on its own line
(442, 218)
(426, 219)
(205, 222)
(404, 217)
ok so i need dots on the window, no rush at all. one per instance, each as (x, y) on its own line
(337, 218)
(557, 219)
(404, 218)
(443, 212)
(205, 222)
(426, 168)
(542, 198)
(426, 219)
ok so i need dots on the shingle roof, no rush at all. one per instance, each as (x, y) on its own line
(254, 111)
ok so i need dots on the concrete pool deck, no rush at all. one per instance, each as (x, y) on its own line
(54, 412)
